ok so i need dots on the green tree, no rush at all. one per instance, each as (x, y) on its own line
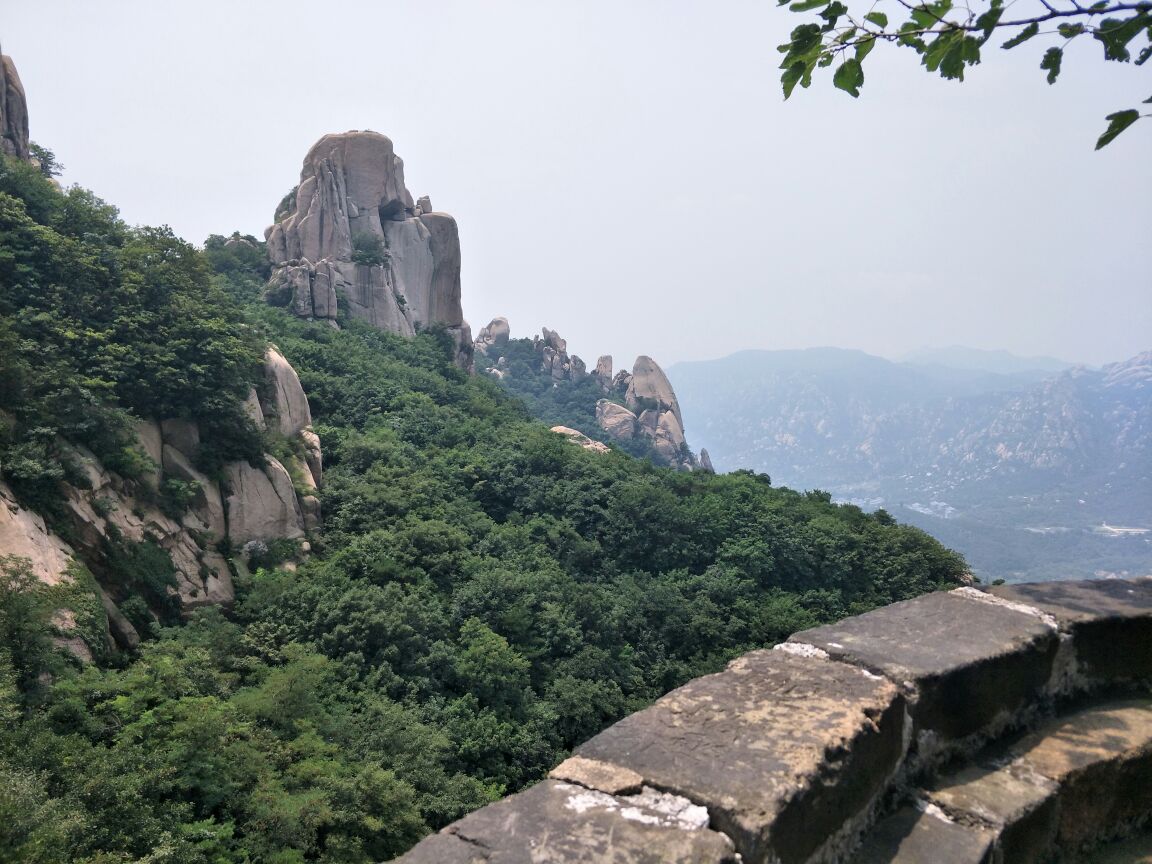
(949, 37)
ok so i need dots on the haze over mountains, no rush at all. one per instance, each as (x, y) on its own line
(1029, 470)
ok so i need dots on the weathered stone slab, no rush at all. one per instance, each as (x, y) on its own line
(969, 664)
(1102, 760)
(1019, 805)
(602, 776)
(788, 753)
(911, 836)
(558, 823)
(1110, 621)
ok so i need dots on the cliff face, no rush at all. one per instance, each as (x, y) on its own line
(237, 515)
(13, 111)
(351, 232)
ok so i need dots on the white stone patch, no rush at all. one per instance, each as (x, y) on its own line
(983, 597)
(650, 807)
(801, 649)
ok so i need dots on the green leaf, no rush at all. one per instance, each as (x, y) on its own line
(832, 14)
(1116, 33)
(1023, 36)
(808, 5)
(1117, 123)
(864, 48)
(877, 18)
(988, 21)
(1145, 53)
(1051, 62)
(1068, 31)
(792, 76)
(849, 77)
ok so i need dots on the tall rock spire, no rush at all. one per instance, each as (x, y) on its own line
(351, 233)
(13, 111)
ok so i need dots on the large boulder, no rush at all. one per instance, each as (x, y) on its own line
(616, 420)
(351, 230)
(286, 408)
(13, 111)
(494, 335)
(649, 387)
(262, 503)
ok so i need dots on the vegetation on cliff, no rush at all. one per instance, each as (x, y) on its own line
(482, 597)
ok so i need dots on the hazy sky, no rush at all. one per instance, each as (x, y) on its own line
(628, 173)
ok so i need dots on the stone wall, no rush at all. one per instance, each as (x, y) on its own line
(1010, 725)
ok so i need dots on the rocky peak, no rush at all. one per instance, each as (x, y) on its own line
(351, 233)
(649, 387)
(494, 335)
(13, 111)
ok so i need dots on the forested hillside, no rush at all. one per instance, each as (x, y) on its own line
(482, 596)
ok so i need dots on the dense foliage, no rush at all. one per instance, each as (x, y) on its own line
(949, 38)
(483, 596)
(98, 320)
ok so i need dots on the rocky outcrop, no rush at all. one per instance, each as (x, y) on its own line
(13, 111)
(24, 534)
(262, 503)
(649, 388)
(351, 233)
(581, 440)
(652, 410)
(494, 336)
(640, 404)
(616, 420)
(286, 408)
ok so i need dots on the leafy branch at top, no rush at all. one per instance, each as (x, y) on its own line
(949, 37)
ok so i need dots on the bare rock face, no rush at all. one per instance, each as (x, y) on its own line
(24, 534)
(650, 388)
(580, 439)
(352, 232)
(262, 503)
(13, 111)
(287, 409)
(603, 373)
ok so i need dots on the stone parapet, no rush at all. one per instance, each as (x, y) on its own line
(828, 749)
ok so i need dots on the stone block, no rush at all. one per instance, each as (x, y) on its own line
(913, 836)
(968, 664)
(1019, 805)
(788, 753)
(1101, 758)
(601, 776)
(1110, 621)
(557, 823)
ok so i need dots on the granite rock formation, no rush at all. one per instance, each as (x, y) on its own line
(640, 404)
(13, 111)
(494, 336)
(351, 233)
(253, 505)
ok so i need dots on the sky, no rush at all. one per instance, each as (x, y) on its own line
(628, 173)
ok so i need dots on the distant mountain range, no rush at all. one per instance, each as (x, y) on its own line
(1031, 468)
(1001, 362)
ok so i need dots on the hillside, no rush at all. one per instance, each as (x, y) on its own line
(471, 596)
(1023, 472)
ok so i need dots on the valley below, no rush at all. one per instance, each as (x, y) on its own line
(1031, 473)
